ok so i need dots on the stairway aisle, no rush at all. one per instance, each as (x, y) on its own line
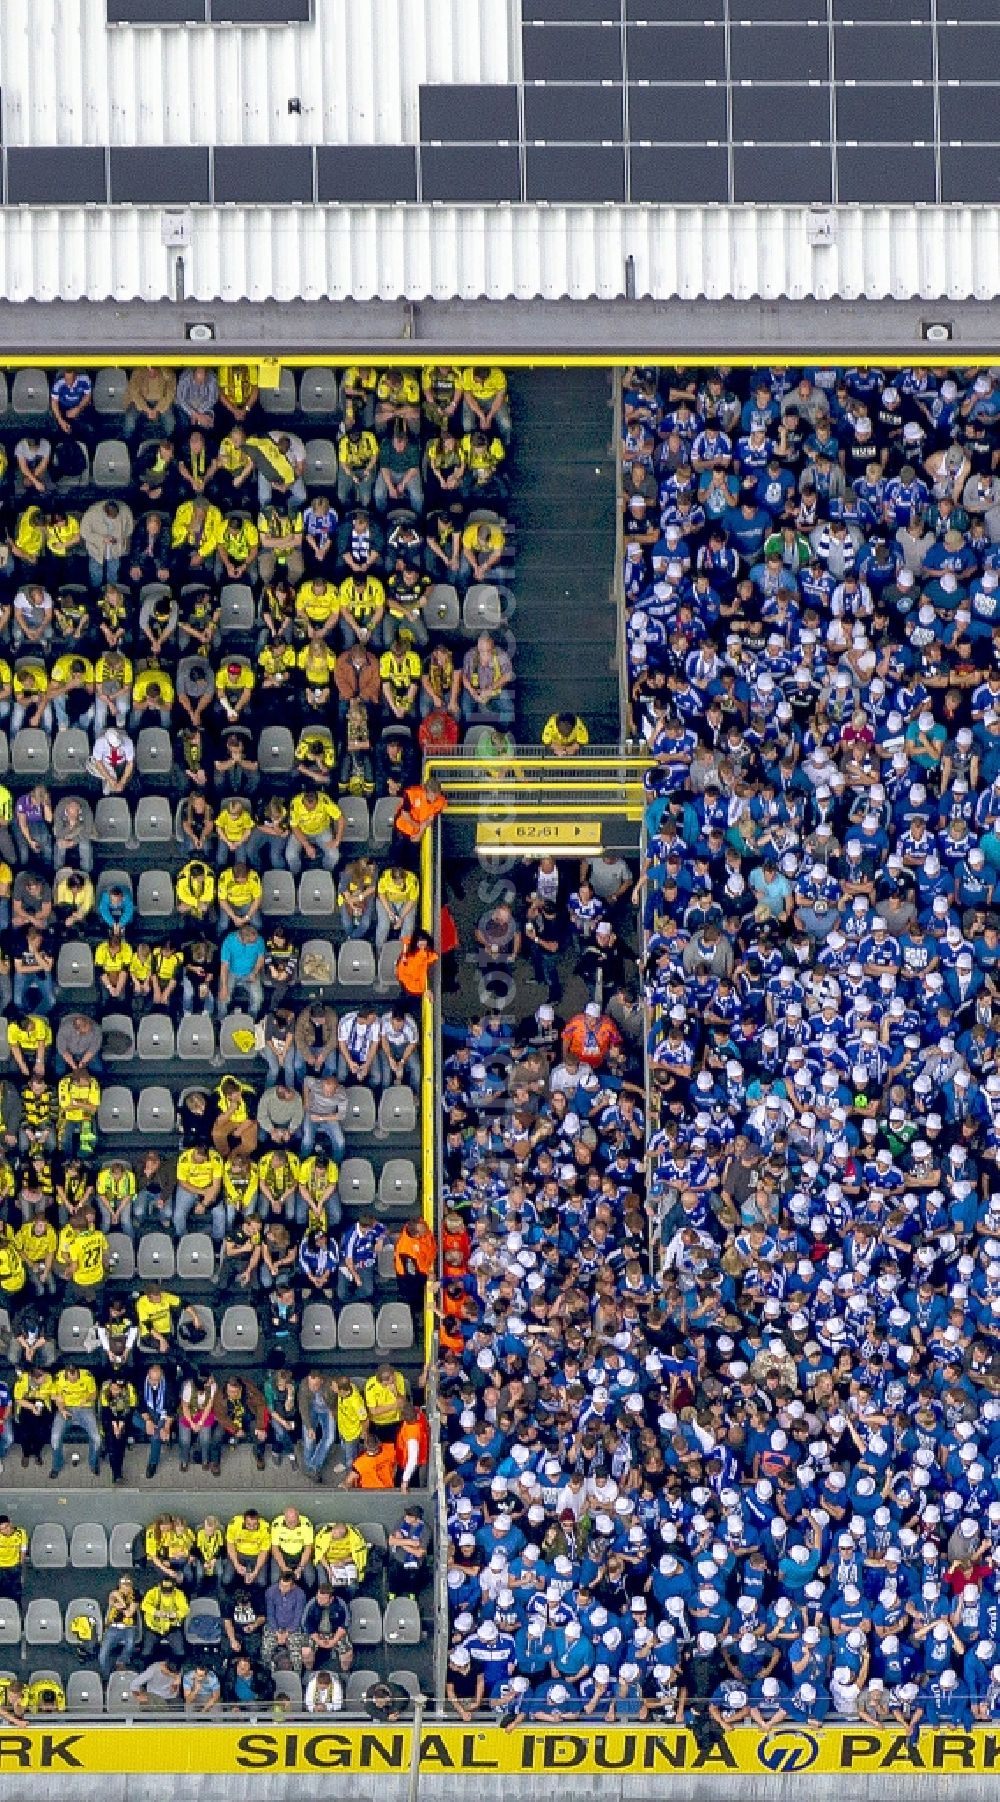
(563, 485)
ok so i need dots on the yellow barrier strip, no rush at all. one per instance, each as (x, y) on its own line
(571, 1750)
(428, 1080)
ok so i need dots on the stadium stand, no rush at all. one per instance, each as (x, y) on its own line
(232, 618)
(756, 1483)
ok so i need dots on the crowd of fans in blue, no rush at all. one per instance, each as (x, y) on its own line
(761, 1485)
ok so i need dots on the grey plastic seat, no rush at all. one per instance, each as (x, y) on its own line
(357, 819)
(383, 816)
(155, 1110)
(88, 1546)
(109, 879)
(385, 1263)
(365, 1627)
(90, 1608)
(207, 1608)
(196, 1038)
(29, 753)
(154, 755)
(84, 1693)
(119, 1700)
(49, 1549)
(116, 1114)
(289, 1685)
(155, 899)
(442, 611)
(112, 465)
(318, 391)
(29, 395)
(358, 1684)
(236, 608)
(402, 1622)
(321, 463)
(228, 1048)
(122, 1544)
(318, 1332)
(386, 980)
(113, 821)
(393, 1328)
(155, 1257)
(356, 965)
(110, 388)
(397, 1185)
(75, 965)
(356, 1327)
(317, 964)
(279, 402)
(75, 1328)
(397, 1111)
(118, 1035)
(121, 1258)
(43, 1622)
(239, 1330)
(154, 823)
(155, 1039)
(4, 753)
(356, 1182)
(409, 1681)
(374, 1532)
(276, 751)
(482, 609)
(277, 894)
(196, 1258)
(70, 753)
(10, 1622)
(317, 895)
(360, 1111)
(206, 1321)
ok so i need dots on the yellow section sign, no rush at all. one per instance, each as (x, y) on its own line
(539, 835)
(185, 1749)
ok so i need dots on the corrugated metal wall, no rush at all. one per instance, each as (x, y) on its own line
(442, 253)
(67, 79)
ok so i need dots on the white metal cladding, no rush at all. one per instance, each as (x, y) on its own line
(68, 79)
(443, 253)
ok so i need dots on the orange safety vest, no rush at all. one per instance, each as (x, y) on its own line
(376, 1470)
(422, 1250)
(418, 810)
(410, 1430)
(413, 969)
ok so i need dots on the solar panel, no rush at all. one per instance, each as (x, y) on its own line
(366, 173)
(676, 53)
(489, 174)
(884, 175)
(970, 175)
(587, 174)
(57, 177)
(903, 115)
(779, 53)
(783, 115)
(674, 114)
(451, 113)
(264, 175)
(881, 52)
(157, 12)
(259, 12)
(571, 114)
(770, 175)
(160, 175)
(572, 53)
(679, 177)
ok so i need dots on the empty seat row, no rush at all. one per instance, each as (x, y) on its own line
(44, 1622)
(152, 1111)
(357, 1328)
(192, 1260)
(33, 752)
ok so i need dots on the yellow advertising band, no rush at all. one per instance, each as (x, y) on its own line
(543, 1751)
